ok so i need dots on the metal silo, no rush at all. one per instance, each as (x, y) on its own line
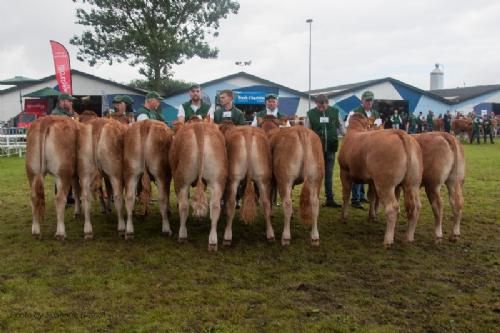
(437, 78)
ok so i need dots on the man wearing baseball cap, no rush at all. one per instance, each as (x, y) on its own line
(195, 107)
(271, 109)
(151, 108)
(64, 106)
(120, 108)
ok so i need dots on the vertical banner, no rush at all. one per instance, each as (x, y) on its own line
(62, 67)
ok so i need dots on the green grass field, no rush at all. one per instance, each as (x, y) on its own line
(349, 284)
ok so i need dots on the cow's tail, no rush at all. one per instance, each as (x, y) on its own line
(249, 206)
(37, 187)
(305, 208)
(200, 202)
(456, 173)
(413, 175)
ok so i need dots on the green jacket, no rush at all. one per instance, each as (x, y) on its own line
(487, 124)
(154, 115)
(237, 116)
(361, 110)
(430, 119)
(325, 128)
(412, 120)
(60, 112)
(189, 112)
(476, 123)
(396, 119)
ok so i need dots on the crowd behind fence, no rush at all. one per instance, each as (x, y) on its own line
(12, 141)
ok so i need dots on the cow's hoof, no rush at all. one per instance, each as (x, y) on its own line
(387, 245)
(315, 242)
(212, 247)
(60, 237)
(226, 242)
(285, 242)
(182, 240)
(343, 220)
(88, 236)
(129, 236)
(36, 236)
(167, 233)
(438, 240)
(271, 240)
(454, 238)
(372, 219)
(121, 233)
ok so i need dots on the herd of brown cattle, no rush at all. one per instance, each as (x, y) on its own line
(265, 160)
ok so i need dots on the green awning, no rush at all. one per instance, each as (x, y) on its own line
(18, 80)
(44, 92)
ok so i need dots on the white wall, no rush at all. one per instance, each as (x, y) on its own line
(426, 103)
(9, 102)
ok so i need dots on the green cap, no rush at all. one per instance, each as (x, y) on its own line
(271, 96)
(118, 99)
(153, 94)
(367, 95)
(65, 97)
(128, 100)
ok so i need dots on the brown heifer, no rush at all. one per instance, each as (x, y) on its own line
(438, 124)
(443, 159)
(146, 148)
(462, 126)
(249, 159)
(51, 149)
(298, 158)
(384, 159)
(100, 154)
(198, 155)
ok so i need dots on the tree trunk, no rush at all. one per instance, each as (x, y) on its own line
(157, 78)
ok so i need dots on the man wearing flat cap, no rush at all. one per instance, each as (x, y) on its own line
(195, 107)
(271, 109)
(120, 109)
(324, 120)
(151, 108)
(366, 108)
(227, 111)
(64, 106)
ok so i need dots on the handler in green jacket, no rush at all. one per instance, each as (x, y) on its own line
(396, 120)
(64, 106)
(151, 108)
(324, 121)
(227, 111)
(430, 121)
(195, 106)
(271, 101)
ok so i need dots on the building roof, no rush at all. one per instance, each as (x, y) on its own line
(458, 95)
(347, 88)
(248, 76)
(75, 71)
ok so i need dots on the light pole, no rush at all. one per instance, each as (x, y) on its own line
(310, 34)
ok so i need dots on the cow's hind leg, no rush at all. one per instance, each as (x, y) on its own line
(457, 204)
(163, 202)
(86, 183)
(63, 185)
(216, 191)
(314, 200)
(265, 200)
(230, 205)
(346, 192)
(183, 201)
(131, 186)
(412, 205)
(117, 188)
(437, 209)
(391, 206)
(285, 194)
(37, 203)
(372, 198)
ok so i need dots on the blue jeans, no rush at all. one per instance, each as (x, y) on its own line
(358, 192)
(329, 163)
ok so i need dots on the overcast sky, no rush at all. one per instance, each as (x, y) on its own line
(352, 41)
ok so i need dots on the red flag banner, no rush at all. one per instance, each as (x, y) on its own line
(63, 69)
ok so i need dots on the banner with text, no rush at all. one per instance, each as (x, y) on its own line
(62, 66)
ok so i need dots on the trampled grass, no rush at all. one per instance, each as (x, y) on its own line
(349, 284)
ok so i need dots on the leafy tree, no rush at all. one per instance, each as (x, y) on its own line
(154, 34)
(166, 87)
